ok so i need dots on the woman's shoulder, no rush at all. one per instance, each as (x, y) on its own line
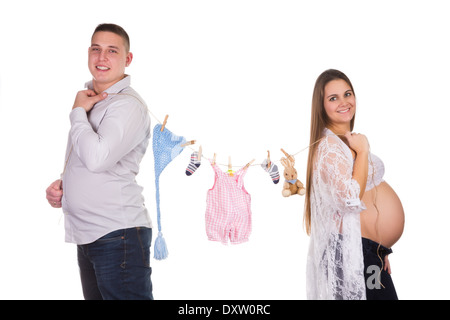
(329, 139)
(331, 143)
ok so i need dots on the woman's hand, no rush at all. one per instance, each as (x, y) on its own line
(387, 265)
(358, 142)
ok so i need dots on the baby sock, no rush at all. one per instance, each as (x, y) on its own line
(194, 164)
(272, 170)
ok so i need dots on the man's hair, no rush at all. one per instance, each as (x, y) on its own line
(114, 28)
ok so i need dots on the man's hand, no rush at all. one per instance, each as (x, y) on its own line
(54, 194)
(86, 99)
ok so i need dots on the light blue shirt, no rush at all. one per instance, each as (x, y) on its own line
(105, 148)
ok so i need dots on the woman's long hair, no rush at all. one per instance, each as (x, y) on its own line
(319, 121)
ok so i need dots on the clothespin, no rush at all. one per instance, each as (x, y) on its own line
(214, 160)
(291, 158)
(188, 143)
(249, 164)
(230, 167)
(199, 155)
(164, 123)
(268, 159)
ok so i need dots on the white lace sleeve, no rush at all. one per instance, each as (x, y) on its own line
(335, 170)
(335, 262)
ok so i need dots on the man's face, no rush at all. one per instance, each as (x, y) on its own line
(108, 58)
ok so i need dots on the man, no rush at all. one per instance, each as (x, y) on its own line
(103, 205)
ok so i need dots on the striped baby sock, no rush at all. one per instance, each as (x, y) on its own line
(194, 164)
(272, 170)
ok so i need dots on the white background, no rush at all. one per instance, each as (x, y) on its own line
(237, 76)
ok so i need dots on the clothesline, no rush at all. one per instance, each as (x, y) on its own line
(254, 164)
(203, 156)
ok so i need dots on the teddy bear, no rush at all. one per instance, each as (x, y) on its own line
(292, 185)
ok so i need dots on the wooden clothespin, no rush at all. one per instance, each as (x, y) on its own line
(230, 167)
(288, 156)
(249, 164)
(164, 123)
(268, 159)
(214, 160)
(188, 143)
(199, 155)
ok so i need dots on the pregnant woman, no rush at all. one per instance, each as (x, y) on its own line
(352, 215)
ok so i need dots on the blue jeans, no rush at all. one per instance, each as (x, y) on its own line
(117, 266)
(379, 284)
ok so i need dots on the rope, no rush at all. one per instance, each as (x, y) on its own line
(203, 156)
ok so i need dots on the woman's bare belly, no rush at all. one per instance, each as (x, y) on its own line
(384, 226)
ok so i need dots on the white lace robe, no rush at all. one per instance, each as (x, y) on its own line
(335, 262)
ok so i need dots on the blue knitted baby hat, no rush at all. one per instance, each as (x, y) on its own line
(166, 146)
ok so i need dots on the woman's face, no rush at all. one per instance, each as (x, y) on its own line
(340, 104)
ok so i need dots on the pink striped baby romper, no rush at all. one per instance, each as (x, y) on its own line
(228, 215)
